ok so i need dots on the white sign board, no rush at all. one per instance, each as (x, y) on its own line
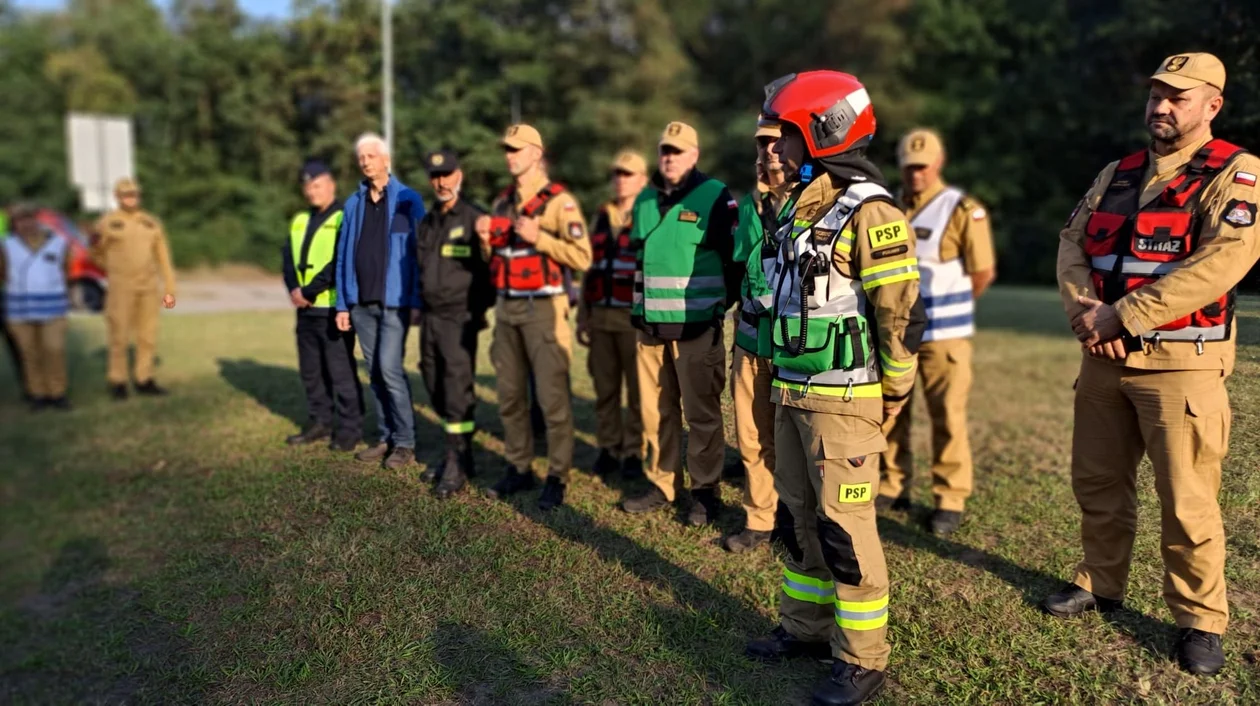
(101, 150)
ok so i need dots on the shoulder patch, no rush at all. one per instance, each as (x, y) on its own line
(1245, 178)
(888, 234)
(978, 213)
(1240, 214)
(576, 231)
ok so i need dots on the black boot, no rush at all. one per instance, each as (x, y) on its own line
(552, 494)
(434, 473)
(781, 645)
(513, 481)
(38, 404)
(313, 433)
(452, 479)
(631, 468)
(705, 507)
(1199, 652)
(945, 522)
(651, 501)
(150, 389)
(605, 465)
(848, 685)
(745, 541)
(118, 392)
(1074, 600)
(59, 404)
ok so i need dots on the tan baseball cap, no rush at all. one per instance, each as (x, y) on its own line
(681, 136)
(920, 147)
(520, 135)
(1183, 71)
(629, 161)
(767, 127)
(126, 185)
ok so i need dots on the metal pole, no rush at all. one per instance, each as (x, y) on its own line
(387, 72)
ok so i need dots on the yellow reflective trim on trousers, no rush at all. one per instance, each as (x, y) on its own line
(860, 606)
(809, 580)
(885, 266)
(862, 615)
(892, 368)
(866, 389)
(892, 279)
(872, 624)
(460, 427)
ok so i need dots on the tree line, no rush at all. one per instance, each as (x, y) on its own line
(1033, 97)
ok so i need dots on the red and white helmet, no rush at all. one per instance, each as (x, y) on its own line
(831, 109)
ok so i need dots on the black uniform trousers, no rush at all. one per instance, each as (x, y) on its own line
(448, 362)
(326, 364)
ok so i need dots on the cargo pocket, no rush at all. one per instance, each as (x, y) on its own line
(712, 369)
(1208, 419)
(846, 520)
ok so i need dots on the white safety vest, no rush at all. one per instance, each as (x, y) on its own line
(943, 284)
(836, 309)
(35, 282)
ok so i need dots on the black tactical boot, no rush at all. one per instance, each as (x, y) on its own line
(745, 541)
(650, 501)
(1199, 652)
(451, 480)
(312, 434)
(58, 404)
(118, 392)
(513, 481)
(344, 444)
(150, 389)
(783, 645)
(848, 685)
(1074, 600)
(901, 503)
(552, 494)
(705, 507)
(945, 522)
(631, 468)
(605, 465)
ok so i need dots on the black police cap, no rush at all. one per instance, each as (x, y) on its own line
(441, 162)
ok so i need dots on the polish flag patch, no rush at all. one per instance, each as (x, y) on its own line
(1245, 178)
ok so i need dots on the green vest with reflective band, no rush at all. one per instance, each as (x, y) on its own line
(822, 340)
(678, 279)
(323, 249)
(758, 252)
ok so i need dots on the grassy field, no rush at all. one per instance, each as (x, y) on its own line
(175, 551)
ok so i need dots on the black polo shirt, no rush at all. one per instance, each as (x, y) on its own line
(372, 252)
(454, 276)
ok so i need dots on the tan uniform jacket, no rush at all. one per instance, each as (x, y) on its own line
(132, 248)
(891, 300)
(968, 234)
(1224, 254)
(563, 230)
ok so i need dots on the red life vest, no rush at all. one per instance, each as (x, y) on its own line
(1131, 246)
(610, 281)
(517, 269)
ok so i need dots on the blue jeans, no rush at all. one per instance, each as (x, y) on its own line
(382, 332)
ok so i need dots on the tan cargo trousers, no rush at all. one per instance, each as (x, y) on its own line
(835, 581)
(128, 314)
(1181, 420)
(42, 345)
(613, 367)
(534, 334)
(754, 432)
(677, 377)
(945, 381)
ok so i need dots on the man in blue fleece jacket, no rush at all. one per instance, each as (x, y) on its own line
(378, 284)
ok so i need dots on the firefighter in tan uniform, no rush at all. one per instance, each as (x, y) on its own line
(955, 249)
(847, 319)
(534, 230)
(1148, 263)
(130, 244)
(751, 367)
(604, 324)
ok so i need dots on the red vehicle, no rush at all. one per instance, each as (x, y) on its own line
(88, 283)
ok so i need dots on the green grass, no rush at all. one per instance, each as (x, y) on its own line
(175, 551)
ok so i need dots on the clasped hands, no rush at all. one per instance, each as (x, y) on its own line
(1098, 328)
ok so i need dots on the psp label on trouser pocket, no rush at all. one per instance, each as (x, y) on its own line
(855, 493)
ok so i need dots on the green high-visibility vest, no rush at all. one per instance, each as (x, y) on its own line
(679, 279)
(323, 249)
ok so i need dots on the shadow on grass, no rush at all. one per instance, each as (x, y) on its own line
(81, 639)
(473, 660)
(277, 388)
(1150, 633)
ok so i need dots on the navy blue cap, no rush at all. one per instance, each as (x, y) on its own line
(314, 168)
(441, 162)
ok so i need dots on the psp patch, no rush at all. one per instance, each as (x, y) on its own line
(854, 493)
(888, 234)
(1240, 214)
